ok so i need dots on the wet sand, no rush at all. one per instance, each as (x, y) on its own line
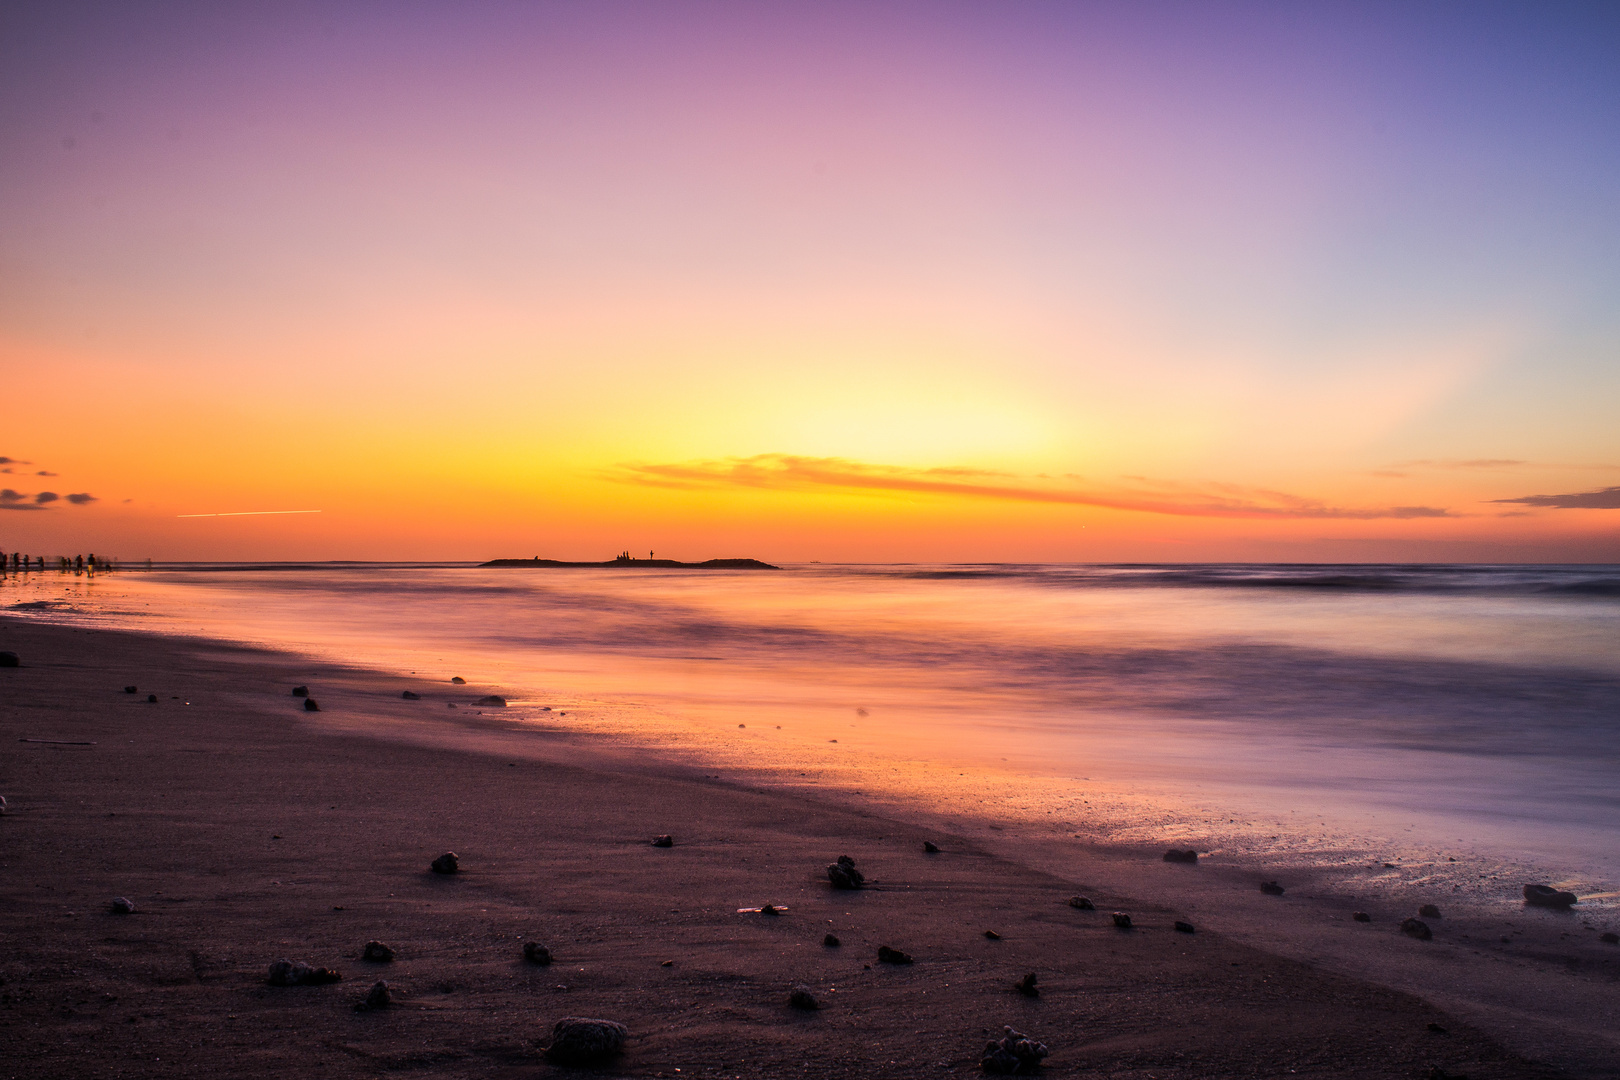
(247, 830)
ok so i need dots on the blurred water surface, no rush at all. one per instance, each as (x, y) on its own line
(1463, 702)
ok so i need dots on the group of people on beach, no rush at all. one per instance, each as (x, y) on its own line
(77, 564)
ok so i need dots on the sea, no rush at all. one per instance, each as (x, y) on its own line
(1408, 710)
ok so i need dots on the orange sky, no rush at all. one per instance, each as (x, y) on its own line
(1046, 285)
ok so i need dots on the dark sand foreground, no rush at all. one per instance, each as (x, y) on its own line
(246, 830)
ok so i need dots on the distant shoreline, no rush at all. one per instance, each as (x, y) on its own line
(624, 563)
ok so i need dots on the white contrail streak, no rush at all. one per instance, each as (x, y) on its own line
(250, 513)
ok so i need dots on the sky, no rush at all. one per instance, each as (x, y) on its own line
(1091, 282)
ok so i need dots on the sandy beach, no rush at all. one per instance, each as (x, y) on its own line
(245, 830)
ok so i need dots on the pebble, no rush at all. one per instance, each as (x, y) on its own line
(1547, 896)
(446, 863)
(411, 695)
(1181, 855)
(664, 840)
(1026, 986)
(377, 998)
(536, 953)
(801, 997)
(1013, 1054)
(1610, 938)
(1418, 929)
(1082, 903)
(1122, 920)
(377, 953)
(992, 935)
(1185, 928)
(1361, 916)
(458, 680)
(290, 973)
(843, 874)
(1429, 911)
(930, 847)
(151, 699)
(132, 689)
(300, 691)
(576, 1040)
(493, 701)
(887, 955)
(831, 941)
(121, 905)
(1271, 888)
(310, 706)
(9, 659)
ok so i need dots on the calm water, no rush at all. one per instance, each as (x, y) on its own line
(1470, 705)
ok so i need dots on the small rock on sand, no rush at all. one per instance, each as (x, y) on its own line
(1271, 888)
(664, 840)
(9, 659)
(1547, 896)
(536, 953)
(290, 973)
(491, 701)
(930, 847)
(801, 997)
(887, 955)
(992, 935)
(843, 874)
(446, 864)
(458, 680)
(2, 804)
(1609, 938)
(300, 691)
(1122, 920)
(1429, 911)
(121, 905)
(1014, 1054)
(132, 689)
(310, 705)
(1185, 928)
(1026, 986)
(1361, 916)
(578, 1041)
(377, 953)
(377, 998)
(1181, 855)
(1082, 903)
(831, 941)
(1417, 928)
(151, 699)
(410, 695)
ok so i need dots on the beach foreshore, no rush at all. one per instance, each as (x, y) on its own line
(245, 829)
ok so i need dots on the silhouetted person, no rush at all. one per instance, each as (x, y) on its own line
(78, 564)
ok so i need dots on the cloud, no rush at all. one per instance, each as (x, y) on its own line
(46, 497)
(13, 500)
(787, 472)
(45, 472)
(1452, 463)
(1604, 499)
(79, 498)
(12, 461)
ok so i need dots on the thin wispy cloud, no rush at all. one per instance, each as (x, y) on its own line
(788, 472)
(1602, 499)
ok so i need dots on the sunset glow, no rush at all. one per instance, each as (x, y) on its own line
(1103, 282)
